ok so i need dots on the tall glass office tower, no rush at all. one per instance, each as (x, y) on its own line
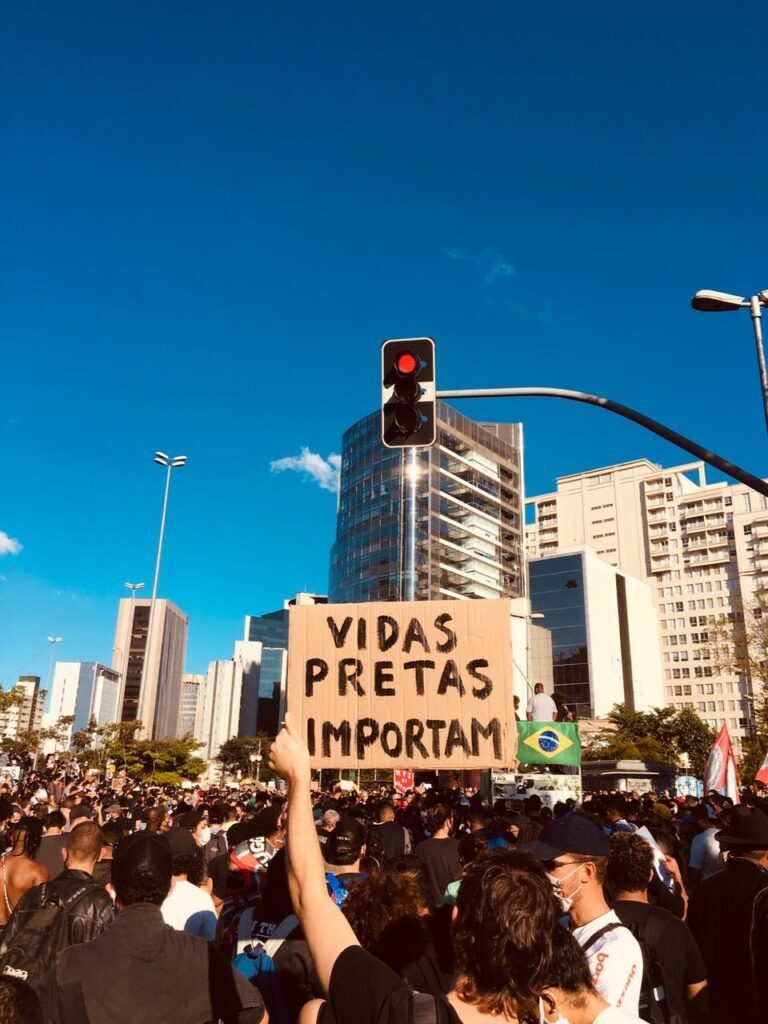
(469, 513)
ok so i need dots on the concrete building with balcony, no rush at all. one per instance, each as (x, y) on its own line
(27, 714)
(703, 548)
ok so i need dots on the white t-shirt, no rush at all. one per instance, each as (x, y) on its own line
(610, 1015)
(542, 707)
(705, 854)
(190, 909)
(616, 962)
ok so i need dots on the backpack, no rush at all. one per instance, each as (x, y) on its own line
(339, 891)
(34, 948)
(257, 963)
(654, 1004)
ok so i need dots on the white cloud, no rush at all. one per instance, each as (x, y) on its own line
(8, 545)
(323, 472)
(493, 266)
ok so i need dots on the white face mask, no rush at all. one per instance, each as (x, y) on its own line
(566, 902)
(205, 836)
(543, 1014)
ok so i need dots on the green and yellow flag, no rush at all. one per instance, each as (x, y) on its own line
(548, 743)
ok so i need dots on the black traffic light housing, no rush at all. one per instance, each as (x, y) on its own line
(408, 403)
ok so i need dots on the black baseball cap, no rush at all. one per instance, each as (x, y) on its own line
(181, 842)
(142, 852)
(344, 845)
(570, 834)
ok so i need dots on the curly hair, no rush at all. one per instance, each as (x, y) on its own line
(630, 863)
(503, 933)
(32, 831)
(386, 911)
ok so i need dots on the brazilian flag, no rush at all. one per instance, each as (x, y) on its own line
(548, 743)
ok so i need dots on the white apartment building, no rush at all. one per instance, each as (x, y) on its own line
(28, 713)
(703, 548)
(228, 687)
(85, 690)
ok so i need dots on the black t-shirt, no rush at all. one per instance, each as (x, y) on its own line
(49, 855)
(673, 947)
(392, 836)
(442, 858)
(363, 990)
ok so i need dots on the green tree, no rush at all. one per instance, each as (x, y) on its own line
(59, 732)
(661, 734)
(8, 699)
(165, 761)
(235, 755)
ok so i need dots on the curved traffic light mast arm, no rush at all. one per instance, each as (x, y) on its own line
(730, 468)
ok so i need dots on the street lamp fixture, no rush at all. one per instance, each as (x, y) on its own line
(708, 301)
(170, 462)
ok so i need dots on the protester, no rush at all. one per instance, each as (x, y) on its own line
(674, 972)
(389, 914)
(342, 852)
(440, 852)
(615, 813)
(49, 854)
(575, 852)
(19, 1003)
(570, 996)
(395, 838)
(86, 911)
(730, 922)
(19, 871)
(188, 907)
(705, 859)
(541, 707)
(503, 928)
(141, 968)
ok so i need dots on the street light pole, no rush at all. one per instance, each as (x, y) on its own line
(709, 301)
(175, 462)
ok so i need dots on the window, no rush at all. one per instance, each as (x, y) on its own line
(679, 606)
(675, 673)
(686, 672)
(687, 690)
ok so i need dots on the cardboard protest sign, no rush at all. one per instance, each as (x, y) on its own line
(421, 684)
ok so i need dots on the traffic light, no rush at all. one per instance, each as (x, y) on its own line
(408, 413)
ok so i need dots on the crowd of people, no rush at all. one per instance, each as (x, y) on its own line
(124, 901)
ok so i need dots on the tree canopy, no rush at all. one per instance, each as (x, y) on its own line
(235, 755)
(661, 734)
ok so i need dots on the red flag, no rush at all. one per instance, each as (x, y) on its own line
(762, 774)
(404, 779)
(721, 773)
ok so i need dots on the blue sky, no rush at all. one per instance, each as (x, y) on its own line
(212, 214)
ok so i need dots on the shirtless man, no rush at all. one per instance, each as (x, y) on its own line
(18, 868)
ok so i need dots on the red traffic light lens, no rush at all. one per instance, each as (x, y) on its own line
(406, 364)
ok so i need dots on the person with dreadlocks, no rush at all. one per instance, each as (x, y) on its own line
(19, 871)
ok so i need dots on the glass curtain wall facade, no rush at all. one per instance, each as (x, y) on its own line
(468, 523)
(557, 592)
